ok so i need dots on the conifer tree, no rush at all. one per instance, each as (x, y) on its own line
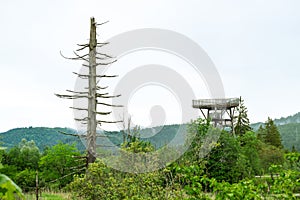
(242, 124)
(272, 136)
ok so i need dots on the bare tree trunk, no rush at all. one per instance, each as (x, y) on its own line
(92, 103)
(93, 90)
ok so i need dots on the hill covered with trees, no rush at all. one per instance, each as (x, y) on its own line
(158, 136)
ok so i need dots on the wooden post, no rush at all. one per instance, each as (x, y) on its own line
(37, 185)
(92, 99)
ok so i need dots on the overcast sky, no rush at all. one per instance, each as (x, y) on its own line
(255, 46)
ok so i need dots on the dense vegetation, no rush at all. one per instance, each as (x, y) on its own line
(228, 171)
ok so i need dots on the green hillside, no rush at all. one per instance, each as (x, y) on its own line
(158, 136)
(42, 136)
(292, 119)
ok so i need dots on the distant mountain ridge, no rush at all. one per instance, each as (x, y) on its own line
(289, 128)
(47, 137)
(282, 121)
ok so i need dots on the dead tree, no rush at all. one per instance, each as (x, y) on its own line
(92, 92)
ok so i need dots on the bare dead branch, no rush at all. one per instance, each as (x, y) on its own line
(71, 96)
(79, 108)
(100, 64)
(83, 76)
(105, 104)
(102, 43)
(71, 134)
(83, 119)
(75, 58)
(77, 92)
(102, 23)
(101, 94)
(81, 57)
(106, 76)
(108, 122)
(106, 97)
(83, 46)
(101, 88)
(104, 54)
(103, 113)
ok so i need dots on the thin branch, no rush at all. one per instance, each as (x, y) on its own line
(83, 46)
(98, 88)
(103, 113)
(83, 119)
(67, 175)
(102, 43)
(101, 88)
(105, 104)
(102, 23)
(103, 96)
(104, 54)
(71, 96)
(83, 76)
(71, 134)
(106, 76)
(77, 92)
(98, 64)
(81, 57)
(79, 108)
(108, 122)
(98, 95)
(76, 58)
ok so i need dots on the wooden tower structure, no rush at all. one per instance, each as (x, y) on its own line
(219, 111)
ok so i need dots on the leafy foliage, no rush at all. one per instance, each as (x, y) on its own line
(8, 189)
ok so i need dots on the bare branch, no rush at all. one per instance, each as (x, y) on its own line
(103, 113)
(105, 104)
(98, 95)
(106, 76)
(81, 57)
(98, 88)
(77, 92)
(102, 43)
(83, 46)
(79, 108)
(83, 119)
(71, 96)
(83, 76)
(102, 23)
(104, 54)
(76, 58)
(103, 96)
(101, 88)
(71, 134)
(99, 64)
(108, 122)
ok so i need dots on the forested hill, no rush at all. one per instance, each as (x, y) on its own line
(42, 136)
(282, 121)
(158, 136)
